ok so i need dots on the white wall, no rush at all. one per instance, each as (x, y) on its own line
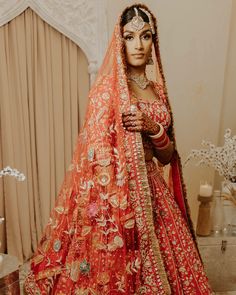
(228, 117)
(194, 45)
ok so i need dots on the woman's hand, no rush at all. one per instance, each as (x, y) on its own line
(139, 122)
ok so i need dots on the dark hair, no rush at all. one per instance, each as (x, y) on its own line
(129, 13)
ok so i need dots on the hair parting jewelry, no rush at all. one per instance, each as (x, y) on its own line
(150, 19)
(137, 23)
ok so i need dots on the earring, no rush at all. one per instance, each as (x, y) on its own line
(150, 60)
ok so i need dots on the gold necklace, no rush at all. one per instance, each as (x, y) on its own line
(141, 80)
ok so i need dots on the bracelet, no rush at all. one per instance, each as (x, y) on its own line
(159, 134)
(161, 140)
(160, 144)
(164, 146)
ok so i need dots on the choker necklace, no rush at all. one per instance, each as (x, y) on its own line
(141, 80)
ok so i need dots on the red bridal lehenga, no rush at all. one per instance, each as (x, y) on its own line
(118, 227)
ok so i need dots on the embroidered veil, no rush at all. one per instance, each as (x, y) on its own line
(101, 229)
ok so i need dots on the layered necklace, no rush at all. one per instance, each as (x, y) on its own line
(141, 80)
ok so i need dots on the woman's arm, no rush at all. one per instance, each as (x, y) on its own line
(164, 148)
(140, 122)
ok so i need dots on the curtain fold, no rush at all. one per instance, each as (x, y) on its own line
(43, 89)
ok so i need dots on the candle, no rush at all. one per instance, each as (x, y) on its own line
(205, 190)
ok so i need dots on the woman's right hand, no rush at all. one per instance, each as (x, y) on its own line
(138, 121)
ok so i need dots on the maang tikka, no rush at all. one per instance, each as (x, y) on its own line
(138, 23)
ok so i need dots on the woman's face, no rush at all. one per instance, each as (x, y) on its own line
(138, 44)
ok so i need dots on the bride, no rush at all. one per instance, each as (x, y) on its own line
(118, 227)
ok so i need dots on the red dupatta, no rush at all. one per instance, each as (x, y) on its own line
(101, 230)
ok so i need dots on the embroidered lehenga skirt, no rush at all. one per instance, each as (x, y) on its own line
(180, 256)
(94, 246)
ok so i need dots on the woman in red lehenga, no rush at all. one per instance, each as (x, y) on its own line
(118, 227)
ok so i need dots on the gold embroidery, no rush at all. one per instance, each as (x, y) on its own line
(127, 216)
(85, 230)
(37, 259)
(129, 224)
(74, 271)
(114, 201)
(104, 178)
(103, 278)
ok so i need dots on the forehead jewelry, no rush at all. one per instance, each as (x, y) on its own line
(149, 18)
(137, 22)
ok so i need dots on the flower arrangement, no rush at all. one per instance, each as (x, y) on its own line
(222, 159)
(12, 172)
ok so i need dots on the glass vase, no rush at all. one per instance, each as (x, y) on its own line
(229, 205)
(217, 214)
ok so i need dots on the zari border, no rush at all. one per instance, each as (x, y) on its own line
(145, 194)
(138, 185)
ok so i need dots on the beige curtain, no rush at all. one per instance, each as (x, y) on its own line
(43, 75)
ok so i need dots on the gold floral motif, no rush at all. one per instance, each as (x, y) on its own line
(119, 241)
(106, 95)
(90, 154)
(59, 209)
(74, 271)
(37, 259)
(129, 224)
(103, 278)
(121, 284)
(104, 162)
(46, 245)
(127, 216)
(101, 221)
(139, 209)
(100, 246)
(104, 178)
(124, 203)
(48, 273)
(114, 201)
(111, 247)
(147, 263)
(133, 267)
(86, 230)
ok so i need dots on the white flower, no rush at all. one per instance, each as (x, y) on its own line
(12, 172)
(222, 159)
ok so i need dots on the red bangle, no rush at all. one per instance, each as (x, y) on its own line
(161, 143)
(163, 147)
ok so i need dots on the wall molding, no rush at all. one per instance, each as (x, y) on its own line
(84, 22)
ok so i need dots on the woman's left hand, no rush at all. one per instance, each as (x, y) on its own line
(139, 122)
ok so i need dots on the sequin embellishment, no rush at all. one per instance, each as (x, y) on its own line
(84, 267)
(57, 245)
(90, 154)
(104, 178)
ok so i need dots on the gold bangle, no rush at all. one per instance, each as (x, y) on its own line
(160, 133)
